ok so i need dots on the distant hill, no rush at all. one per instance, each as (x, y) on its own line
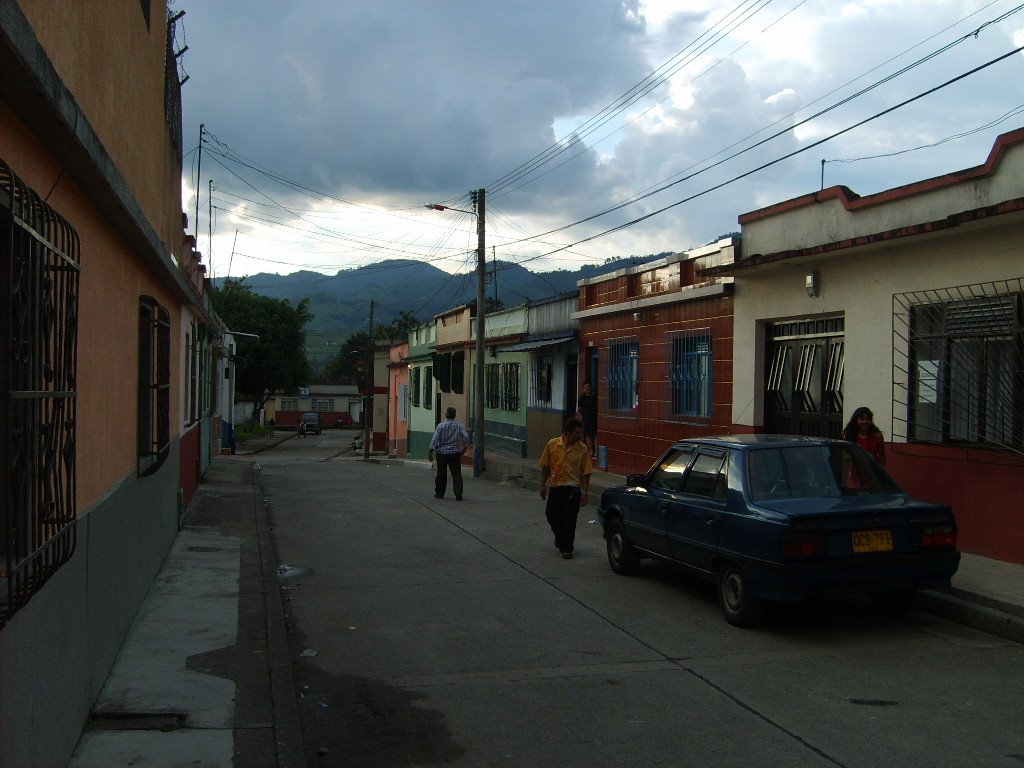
(340, 304)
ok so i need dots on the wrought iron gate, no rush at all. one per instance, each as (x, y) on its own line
(804, 377)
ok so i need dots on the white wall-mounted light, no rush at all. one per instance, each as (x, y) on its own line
(812, 284)
(636, 317)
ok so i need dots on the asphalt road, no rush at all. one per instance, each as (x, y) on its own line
(433, 632)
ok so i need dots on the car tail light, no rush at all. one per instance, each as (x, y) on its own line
(803, 546)
(940, 536)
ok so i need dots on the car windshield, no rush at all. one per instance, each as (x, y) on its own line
(818, 471)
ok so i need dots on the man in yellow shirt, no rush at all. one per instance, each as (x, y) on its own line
(565, 478)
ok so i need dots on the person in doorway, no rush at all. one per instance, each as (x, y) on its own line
(861, 430)
(450, 441)
(565, 479)
(586, 411)
(270, 423)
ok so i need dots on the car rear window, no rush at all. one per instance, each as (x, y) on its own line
(819, 471)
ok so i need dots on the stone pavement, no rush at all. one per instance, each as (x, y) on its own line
(204, 677)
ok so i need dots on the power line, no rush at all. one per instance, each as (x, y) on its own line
(788, 155)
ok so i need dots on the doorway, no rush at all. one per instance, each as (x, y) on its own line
(804, 377)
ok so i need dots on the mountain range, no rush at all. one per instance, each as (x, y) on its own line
(340, 304)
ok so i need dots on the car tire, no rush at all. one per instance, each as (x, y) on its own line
(738, 607)
(621, 556)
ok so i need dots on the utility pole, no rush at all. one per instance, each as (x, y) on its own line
(199, 172)
(481, 279)
(481, 274)
(368, 400)
(209, 224)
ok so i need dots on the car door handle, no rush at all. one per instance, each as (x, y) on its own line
(663, 507)
(710, 519)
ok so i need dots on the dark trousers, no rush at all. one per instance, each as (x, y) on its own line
(448, 462)
(562, 509)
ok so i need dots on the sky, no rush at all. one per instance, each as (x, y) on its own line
(597, 128)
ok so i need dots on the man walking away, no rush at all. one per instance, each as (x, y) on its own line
(449, 442)
(565, 479)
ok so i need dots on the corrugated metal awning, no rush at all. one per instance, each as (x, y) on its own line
(528, 345)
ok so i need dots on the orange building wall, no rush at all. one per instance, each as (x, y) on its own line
(112, 280)
(121, 96)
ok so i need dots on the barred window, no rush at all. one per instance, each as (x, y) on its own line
(689, 375)
(958, 357)
(510, 386)
(428, 386)
(414, 386)
(540, 381)
(39, 279)
(321, 405)
(492, 386)
(622, 374)
(289, 404)
(403, 402)
(458, 372)
(154, 438)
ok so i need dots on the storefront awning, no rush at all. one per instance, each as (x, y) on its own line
(528, 345)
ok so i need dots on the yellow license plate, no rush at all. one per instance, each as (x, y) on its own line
(873, 541)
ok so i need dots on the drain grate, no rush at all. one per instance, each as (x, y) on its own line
(136, 721)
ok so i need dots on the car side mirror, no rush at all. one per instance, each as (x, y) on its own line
(634, 480)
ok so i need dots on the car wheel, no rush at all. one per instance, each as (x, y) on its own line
(621, 556)
(738, 607)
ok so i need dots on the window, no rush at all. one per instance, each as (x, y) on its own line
(414, 386)
(492, 386)
(510, 386)
(623, 374)
(689, 375)
(428, 385)
(540, 381)
(707, 477)
(289, 404)
(39, 257)
(960, 376)
(154, 385)
(669, 472)
(323, 406)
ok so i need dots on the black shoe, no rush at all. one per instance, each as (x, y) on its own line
(458, 498)
(567, 555)
(438, 495)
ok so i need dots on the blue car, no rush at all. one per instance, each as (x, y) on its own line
(779, 518)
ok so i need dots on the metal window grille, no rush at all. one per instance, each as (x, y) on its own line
(414, 387)
(622, 374)
(958, 365)
(492, 386)
(403, 402)
(428, 382)
(323, 406)
(39, 279)
(689, 375)
(510, 386)
(541, 368)
(289, 404)
(154, 438)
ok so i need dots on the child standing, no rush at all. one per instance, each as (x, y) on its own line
(861, 430)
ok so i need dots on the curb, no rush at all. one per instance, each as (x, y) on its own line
(970, 612)
(287, 725)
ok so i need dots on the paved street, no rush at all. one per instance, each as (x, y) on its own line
(435, 632)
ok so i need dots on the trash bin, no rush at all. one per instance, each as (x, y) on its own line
(602, 457)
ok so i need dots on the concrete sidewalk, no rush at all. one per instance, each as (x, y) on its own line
(204, 677)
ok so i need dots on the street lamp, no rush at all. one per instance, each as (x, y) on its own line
(481, 261)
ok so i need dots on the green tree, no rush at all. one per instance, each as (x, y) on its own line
(276, 363)
(349, 365)
(398, 329)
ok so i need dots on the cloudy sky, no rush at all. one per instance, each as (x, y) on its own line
(331, 124)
